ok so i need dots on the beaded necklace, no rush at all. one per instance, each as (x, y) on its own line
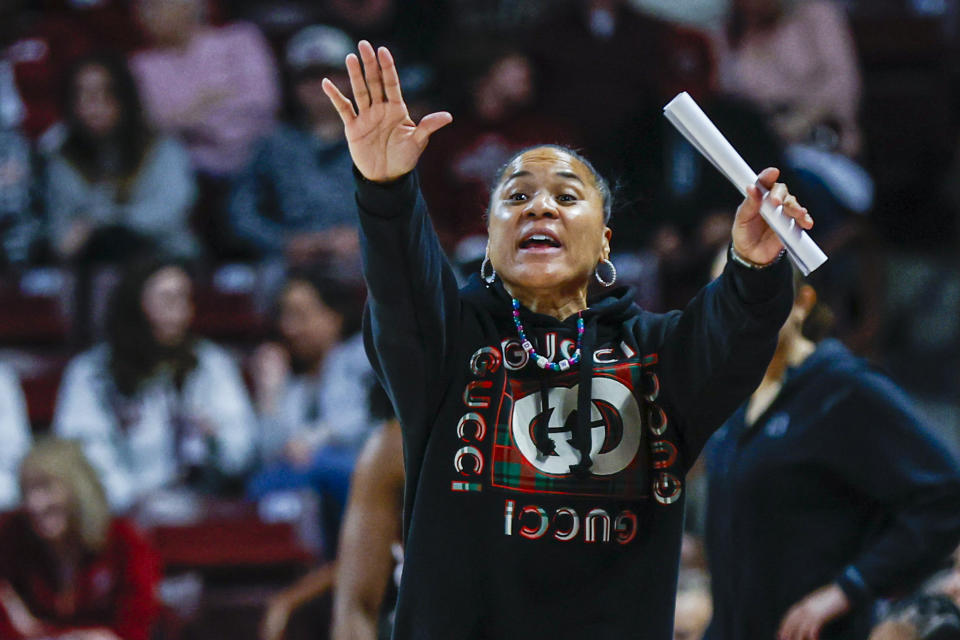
(542, 361)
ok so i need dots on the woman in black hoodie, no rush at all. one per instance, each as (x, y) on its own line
(826, 492)
(544, 493)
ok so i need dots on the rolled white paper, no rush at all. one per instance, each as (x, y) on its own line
(690, 120)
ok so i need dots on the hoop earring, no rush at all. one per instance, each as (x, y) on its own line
(613, 273)
(483, 267)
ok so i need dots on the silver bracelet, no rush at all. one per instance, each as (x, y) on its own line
(736, 257)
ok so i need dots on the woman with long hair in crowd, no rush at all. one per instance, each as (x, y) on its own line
(155, 405)
(546, 434)
(114, 188)
(68, 569)
(826, 492)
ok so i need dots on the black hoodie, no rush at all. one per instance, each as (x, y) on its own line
(542, 504)
(838, 481)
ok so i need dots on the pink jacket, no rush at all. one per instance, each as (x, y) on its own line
(219, 95)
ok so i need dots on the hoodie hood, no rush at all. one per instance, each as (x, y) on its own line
(604, 319)
(608, 307)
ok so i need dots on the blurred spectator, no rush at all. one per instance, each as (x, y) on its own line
(14, 434)
(365, 575)
(496, 117)
(796, 60)
(947, 582)
(664, 179)
(673, 203)
(312, 394)
(699, 13)
(19, 169)
(933, 613)
(69, 570)
(469, 19)
(599, 53)
(20, 199)
(214, 87)
(41, 39)
(368, 17)
(370, 559)
(926, 617)
(114, 188)
(830, 479)
(155, 405)
(296, 194)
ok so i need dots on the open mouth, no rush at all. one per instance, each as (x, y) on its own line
(539, 241)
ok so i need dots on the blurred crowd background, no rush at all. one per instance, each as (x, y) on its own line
(180, 287)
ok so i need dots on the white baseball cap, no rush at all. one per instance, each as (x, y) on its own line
(318, 46)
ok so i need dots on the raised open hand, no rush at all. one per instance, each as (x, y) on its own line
(384, 141)
(753, 239)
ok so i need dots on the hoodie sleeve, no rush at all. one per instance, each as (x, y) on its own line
(876, 443)
(412, 304)
(714, 353)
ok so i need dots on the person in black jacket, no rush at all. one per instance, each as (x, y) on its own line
(826, 492)
(544, 489)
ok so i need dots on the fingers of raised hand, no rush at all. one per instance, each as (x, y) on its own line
(391, 80)
(340, 102)
(359, 86)
(371, 71)
(430, 123)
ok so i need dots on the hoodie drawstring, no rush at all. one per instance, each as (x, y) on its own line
(541, 435)
(580, 429)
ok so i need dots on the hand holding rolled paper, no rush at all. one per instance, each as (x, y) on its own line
(769, 218)
(753, 238)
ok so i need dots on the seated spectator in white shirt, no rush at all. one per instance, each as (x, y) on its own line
(154, 405)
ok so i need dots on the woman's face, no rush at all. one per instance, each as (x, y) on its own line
(546, 226)
(309, 327)
(47, 503)
(96, 106)
(167, 304)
